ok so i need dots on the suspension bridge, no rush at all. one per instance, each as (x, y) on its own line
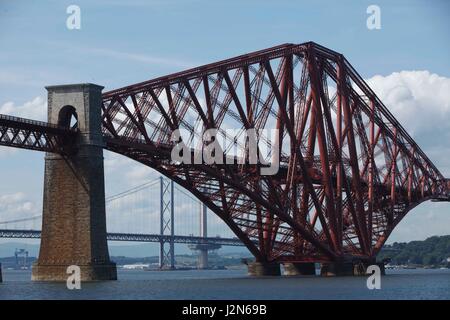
(347, 171)
(145, 213)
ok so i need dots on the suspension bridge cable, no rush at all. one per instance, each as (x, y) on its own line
(132, 190)
(187, 194)
(21, 220)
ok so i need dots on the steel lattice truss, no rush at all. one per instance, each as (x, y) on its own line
(348, 174)
(34, 135)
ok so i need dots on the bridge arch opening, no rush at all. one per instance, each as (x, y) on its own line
(433, 214)
(68, 117)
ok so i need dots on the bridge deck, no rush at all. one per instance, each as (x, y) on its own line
(36, 234)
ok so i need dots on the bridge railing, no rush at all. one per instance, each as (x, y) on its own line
(23, 123)
(28, 121)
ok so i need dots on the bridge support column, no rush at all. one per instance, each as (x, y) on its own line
(299, 269)
(203, 250)
(203, 259)
(74, 222)
(259, 269)
(167, 224)
(348, 269)
(333, 269)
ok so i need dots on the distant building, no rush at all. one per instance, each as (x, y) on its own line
(136, 266)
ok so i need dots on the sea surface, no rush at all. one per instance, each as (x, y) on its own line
(232, 284)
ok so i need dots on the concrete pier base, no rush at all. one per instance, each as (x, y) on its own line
(87, 272)
(334, 269)
(203, 259)
(348, 269)
(258, 269)
(299, 269)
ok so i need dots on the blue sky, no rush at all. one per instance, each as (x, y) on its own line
(119, 39)
(123, 42)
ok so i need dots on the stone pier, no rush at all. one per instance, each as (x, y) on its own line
(74, 222)
(259, 269)
(348, 268)
(299, 269)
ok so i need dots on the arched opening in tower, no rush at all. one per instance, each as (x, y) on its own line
(68, 117)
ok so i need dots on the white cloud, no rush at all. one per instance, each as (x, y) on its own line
(35, 109)
(139, 174)
(125, 172)
(17, 206)
(420, 101)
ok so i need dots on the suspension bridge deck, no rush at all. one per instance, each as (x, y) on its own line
(36, 234)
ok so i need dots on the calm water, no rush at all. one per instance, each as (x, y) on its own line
(232, 284)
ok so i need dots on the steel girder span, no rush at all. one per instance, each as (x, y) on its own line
(36, 234)
(349, 172)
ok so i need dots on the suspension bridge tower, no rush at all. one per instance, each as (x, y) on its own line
(204, 247)
(167, 225)
(21, 259)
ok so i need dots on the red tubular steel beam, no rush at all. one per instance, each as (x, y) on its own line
(340, 187)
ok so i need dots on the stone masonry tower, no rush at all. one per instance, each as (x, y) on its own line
(74, 222)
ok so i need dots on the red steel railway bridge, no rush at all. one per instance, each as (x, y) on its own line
(348, 171)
